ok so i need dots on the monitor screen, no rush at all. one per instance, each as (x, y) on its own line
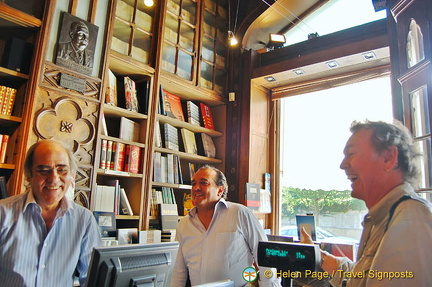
(132, 265)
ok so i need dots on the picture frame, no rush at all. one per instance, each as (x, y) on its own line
(106, 222)
(76, 44)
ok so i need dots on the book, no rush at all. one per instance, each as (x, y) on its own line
(127, 235)
(129, 130)
(3, 149)
(209, 149)
(3, 188)
(170, 137)
(168, 216)
(170, 168)
(113, 153)
(189, 141)
(9, 101)
(102, 162)
(109, 154)
(130, 93)
(187, 202)
(104, 198)
(207, 116)
(157, 177)
(150, 236)
(116, 184)
(161, 102)
(173, 106)
(111, 89)
(2, 97)
(253, 196)
(143, 90)
(308, 223)
(193, 113)
(134, 159)
(158, 136)
(126, 208)
(104, 125)
(106, 222)
(119, 156)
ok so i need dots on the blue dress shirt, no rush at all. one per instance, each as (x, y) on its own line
(32, 256)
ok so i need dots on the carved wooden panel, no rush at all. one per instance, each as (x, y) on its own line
(73, 121)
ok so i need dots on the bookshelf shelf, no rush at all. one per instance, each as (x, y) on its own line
(171, 185)
(7, 166)
(127, 217)
(122, 141)
(191, 127)
(115, 173)
(190, 157)
(110, 110)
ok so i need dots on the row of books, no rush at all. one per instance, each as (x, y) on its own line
(119, 156)
(162, 195)
(4, 142)
(167, 168)
(7, 100)
(122, 91)
(112, 198)
(168, 136)
(197, 114)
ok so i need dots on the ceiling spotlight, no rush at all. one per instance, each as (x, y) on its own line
(299, 72)
(270, 79)
(276, 40)
(369, 55)
(332, 64)
(149, 3)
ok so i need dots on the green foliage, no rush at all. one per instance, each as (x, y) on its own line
(297, 201)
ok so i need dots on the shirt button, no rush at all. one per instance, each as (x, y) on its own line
(43, 266)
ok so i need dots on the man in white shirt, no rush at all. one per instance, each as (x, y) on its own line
(218, 239)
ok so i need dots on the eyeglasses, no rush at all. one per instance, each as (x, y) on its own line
(61, 170)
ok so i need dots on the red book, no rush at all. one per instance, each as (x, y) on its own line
(113, 152)
(109, 154)
(119, 158)
(207, 116)
(4, 144)
(11, 94)
(134, 159)
(173, 106)
(127, 158)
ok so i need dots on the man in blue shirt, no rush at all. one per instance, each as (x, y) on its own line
(45, 237)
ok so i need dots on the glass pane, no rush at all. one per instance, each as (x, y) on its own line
(206, 75)
(187, 36)
(168, 58)
(184, 68)
(220, 81)
(222, 9)
(141, 44)
(221, 52)
(121, 36)
(124, 10)
(171, 29)
(415, 45)
(209, 24)
(420, 112)
(424, 147)
(207, 49)
(144, 17)
(210, 5)
(174, 6)
(188, 11)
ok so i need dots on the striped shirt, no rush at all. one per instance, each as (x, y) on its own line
(31, 256)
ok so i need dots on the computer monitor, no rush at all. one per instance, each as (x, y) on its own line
(132, 265)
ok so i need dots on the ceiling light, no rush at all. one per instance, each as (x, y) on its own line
(149, 3)
(232, 40)
(369, 55)
(299, 72)
(276, 40)
(332, 64)
(270, 79)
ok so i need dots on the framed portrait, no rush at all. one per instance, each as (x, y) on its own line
(106, 221)
(76, 44)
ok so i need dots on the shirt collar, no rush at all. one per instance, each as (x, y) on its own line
(220, 204)
(65, 204)
(378, 212)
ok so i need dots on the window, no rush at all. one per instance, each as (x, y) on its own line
(335, 15)
(315, 128)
